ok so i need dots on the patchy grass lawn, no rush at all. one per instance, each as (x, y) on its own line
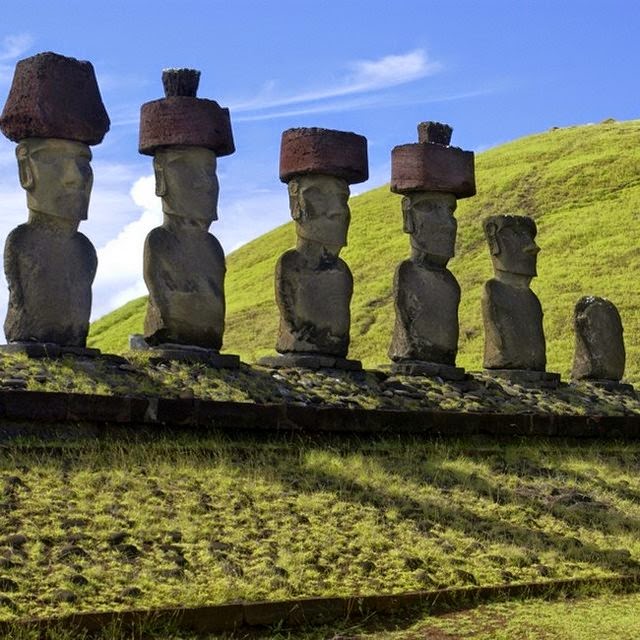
(118, 525)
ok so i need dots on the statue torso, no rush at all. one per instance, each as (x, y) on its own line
(514, 337)
(426, 303)
(50, 276)
(185, 277)
(314, 306)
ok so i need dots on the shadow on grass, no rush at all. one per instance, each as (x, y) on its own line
(576, 509)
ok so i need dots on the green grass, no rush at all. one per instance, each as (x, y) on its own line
(582, 186)
(205, 521)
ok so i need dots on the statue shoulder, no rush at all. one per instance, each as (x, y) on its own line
(158, 235)
(19, 235)
(289, 259)
(215, 245)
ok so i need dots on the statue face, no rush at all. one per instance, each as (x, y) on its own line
(512, 244)
(428, 217)
(57, 176)
(319, 205)
(186, 181)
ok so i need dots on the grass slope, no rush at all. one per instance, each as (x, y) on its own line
(582, 186)
(195, 521)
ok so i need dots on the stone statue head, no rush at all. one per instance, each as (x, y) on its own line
(319, 205)
(57, 176)
(186, 181)
(512, 244)
(428, 218)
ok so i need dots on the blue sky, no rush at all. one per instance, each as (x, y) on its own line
(494, 70)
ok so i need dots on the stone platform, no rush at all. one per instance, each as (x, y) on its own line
(526, 377)
(422, 368)
(48, 350)
(309, 361)
(183, 353)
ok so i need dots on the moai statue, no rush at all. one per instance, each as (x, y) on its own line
(54, 112)
(313, 285)
(184, 265)
(514, 345)
(599, 353)
(431, 175)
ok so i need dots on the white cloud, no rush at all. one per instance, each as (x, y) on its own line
(119, 277)
(365, 76)
(11, 48)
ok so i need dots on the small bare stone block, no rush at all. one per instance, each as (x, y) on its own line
(599, 352)
(183, 119)
(323, 151)
(53, 96)
(180, 82)
(434, 133)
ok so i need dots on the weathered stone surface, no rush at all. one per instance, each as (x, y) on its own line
(323, 151)
(599, 350)
(431, 369)
(526, 376)
(48, 350)
(432, 167)
(512, 314)
(426, 294)
(310, 361)
(183, 119)
(434, 133)
(313, 285)
(184, 265)
(53, 96)
(180, 82)
(49, 265)
(194, 354)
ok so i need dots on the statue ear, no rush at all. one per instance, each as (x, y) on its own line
(407, 216)
(491, 231)
(24, 167)
(161, 184)
(294, 201)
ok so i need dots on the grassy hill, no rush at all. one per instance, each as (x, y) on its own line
(580, 184)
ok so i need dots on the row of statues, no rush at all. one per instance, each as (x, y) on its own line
(54, 113)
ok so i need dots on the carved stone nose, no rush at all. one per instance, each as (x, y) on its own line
(533, 249)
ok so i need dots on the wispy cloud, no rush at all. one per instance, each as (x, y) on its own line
(363, 76)
(356, 104)
(12, 47)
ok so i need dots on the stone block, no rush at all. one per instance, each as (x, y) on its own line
(185, 120)
(527, 377)
(434, 133)
(94, 408)
(314, 150)
(309, 361)
(48, 350)
(42, 406)
(429, 369)
(432, 167)
(184, 353)
(53, 96)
